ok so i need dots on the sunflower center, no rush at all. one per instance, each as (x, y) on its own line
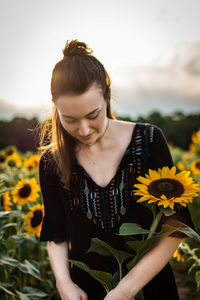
(2, 158)
(37, 218)
(166, 186)
(9, 152)
(198, 165)
(12, 163)
(25, 191)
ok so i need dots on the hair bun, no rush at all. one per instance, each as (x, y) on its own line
(74, 47)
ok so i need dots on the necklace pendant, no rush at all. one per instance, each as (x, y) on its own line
(122, 210)
(89, 214)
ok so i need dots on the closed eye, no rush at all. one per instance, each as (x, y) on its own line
(94, 117)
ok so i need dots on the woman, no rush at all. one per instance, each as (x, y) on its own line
(87, 174)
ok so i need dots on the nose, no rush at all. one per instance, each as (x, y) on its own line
(84, 128)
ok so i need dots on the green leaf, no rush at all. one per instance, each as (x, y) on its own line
(105, 249)
(181, 227)
(115, 280)
(21, 238)
(4, 286)
(9, 225)
(25, 267)
(29, 268)
(22, 296)
(1, 235)
(132, 229)
(142, 247)
(139, 296)
(7, 190)
(197, 277)
(7, 260)
(11, 213)
(168, 211)
(103, 277)
(31, 293)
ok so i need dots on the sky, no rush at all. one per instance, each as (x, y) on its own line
(150, 48)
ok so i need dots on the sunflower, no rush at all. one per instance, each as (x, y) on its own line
(166, 188)
(192, 148)
(33, 220)
(26, 191)
(195, 167)
(180, 165)
(10, 150)
(196, 137)
(13, 160)
(6, 203)
(186, 157)
(32, 162)
(178, 255)
(2, 157)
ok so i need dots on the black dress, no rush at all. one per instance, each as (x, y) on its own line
(88, 211)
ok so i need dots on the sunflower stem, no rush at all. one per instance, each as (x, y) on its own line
(154, 224)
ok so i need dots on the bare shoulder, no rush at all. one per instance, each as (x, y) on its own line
(123, 126)
(123, 130)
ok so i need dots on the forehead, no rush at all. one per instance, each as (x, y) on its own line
(80, 105)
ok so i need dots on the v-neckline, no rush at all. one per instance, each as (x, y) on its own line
(129, 144)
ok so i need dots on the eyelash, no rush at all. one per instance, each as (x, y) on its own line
(90, 118)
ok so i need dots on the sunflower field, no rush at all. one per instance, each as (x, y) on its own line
(25, 271)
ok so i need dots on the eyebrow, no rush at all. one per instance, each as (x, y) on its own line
(95, 110)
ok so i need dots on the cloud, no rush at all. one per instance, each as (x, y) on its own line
(168, 85)
(8, 110)
(178, 76)
(7, 107)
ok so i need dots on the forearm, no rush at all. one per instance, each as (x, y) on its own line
(150, 265)
(58, 255)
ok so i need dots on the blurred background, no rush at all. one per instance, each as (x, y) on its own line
(151, 50)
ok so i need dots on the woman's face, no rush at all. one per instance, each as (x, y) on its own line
(83, 116)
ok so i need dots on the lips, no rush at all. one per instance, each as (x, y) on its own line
(87, 137)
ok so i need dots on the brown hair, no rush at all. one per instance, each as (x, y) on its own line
(74, 74)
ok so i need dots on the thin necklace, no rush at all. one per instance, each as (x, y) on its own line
(92, 160)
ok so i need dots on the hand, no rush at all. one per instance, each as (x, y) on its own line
(118, 294)
(71, 291)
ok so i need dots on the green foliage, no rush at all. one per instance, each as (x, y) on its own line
(25, 271)
(21, 131)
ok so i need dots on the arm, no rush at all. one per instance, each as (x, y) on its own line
(55, 230)
(150, 265)
(156, 258)
(58, 254)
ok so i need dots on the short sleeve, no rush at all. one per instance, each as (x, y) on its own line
(54, 226)
(160, 156)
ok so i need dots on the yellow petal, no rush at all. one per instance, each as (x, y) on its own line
(163, 197)
(144, 198)
(154, 174)
(172, 172)
(144, 180)
(165, 172)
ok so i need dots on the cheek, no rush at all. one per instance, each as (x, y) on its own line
(67, 127)
(101, 119)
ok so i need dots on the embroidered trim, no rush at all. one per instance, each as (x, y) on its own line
(105, 206)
